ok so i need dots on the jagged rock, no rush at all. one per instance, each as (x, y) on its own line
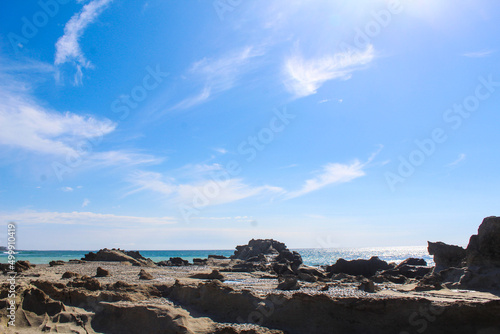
(282, 269)
(128, 318)
(76, 261)
(412, 261)
(484, 248)
(86, 282)
(215, 274)
(217, 257)
(144, 275)
(408, 271)
(69, 274)
(36, 301)
(56, 263)
(255, 247)
(173, 262)
(288, 283)
(367, 268)
(446, 256)
(118, 255)
(21, 266)
(101, 272)
(307, 277)
(367, 285)
(313, 271)
(200, 262)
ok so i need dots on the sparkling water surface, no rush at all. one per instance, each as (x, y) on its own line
(310, 256)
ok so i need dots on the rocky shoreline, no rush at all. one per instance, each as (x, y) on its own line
(263, 288)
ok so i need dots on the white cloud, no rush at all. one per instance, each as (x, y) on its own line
(218, 74)
(26, 125)
(206, 192)
(304, 77)
(220, 150)
(478, 54)
(67, 189)
(461, 158)
(334, 173)
(194, 100)
(67, 47)
(82, 218)
(86, 202)
(211, 192)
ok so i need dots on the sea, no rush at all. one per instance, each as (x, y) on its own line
(310, 256)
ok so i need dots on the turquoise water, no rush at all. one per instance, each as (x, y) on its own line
(312, 256)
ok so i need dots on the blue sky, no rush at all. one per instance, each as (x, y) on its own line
(201, 124)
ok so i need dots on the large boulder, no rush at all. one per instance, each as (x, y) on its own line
(367, 268)
(446, 256)
(118, 255)
(265, 254)
(255, 247)
(484, 248)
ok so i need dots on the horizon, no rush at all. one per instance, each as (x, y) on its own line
(202, 125)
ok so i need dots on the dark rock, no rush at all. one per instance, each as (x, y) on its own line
(200, 262)
(408, 271)
(484, 248)
(255, 247)
(121, 285)
(144, 275)
(413, 262)
(215, 274)
(288, 283)
(282, 269)
(76, 261)
(217, 257)
(21, 266)
(177, 261)
(367, 286)
(307, 277)
(70, 274)
(117, 255)
(313, 271)
(367, 268)
(102, 272)
(56, 263)
(446, 256)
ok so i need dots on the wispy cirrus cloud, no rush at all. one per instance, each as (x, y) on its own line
(68, 48)
(82, 218)
(460, 159)
(28, 126)
(217, 75)
(209, 191)
(334, 173)
(479, 54)
(303, 77)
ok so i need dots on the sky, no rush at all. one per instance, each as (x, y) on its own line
(156, 124)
